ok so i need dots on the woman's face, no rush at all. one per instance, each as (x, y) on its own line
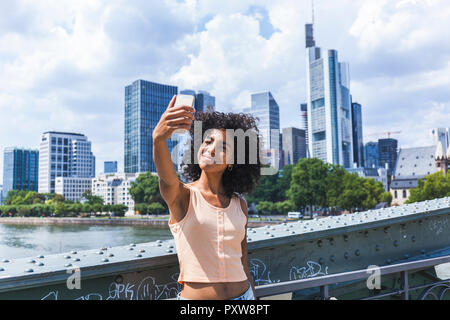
(216, 152)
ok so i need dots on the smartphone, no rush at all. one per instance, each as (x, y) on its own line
(184, 100)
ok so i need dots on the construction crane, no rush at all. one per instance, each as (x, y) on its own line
(382, 133)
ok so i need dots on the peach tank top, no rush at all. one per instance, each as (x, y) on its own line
(208, 241)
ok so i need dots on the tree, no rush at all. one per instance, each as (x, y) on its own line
(308, 184)
(374, 190)
(283, 207)
(58, 198)
(155, 208)
(273, 187)
(119, 210)
(265, 207)
(436, 185)
(146, 189)
(91, 199)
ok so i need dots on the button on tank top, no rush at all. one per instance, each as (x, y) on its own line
(208, 241)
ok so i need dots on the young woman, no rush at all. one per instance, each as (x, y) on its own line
(208, 217)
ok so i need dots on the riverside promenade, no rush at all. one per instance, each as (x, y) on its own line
(155, 222)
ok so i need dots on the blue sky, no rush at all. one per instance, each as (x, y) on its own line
(64, 64)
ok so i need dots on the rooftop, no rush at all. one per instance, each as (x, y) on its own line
(413, 163)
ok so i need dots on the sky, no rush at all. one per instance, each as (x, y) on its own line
(64, 64)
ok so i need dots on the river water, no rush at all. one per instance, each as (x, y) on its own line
(20, 241)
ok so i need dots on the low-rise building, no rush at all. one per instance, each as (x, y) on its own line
(72, 188)
(412, 164)
(114, 189)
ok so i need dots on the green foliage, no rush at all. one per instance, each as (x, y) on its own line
(146, 189)
(152, 208)
(316, 183)
(119, 210)
(272, 188)
(435, 186)
(309, 183)
(91, 199)
(265, 207)
(283, 207)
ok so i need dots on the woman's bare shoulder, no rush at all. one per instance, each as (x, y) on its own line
(243, 203)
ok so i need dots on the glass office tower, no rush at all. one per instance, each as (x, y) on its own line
(266, 109)
(387, 153)
(294, 145)
(358, 145)
(20, 169)
(371, 156)
(329, 107)
(203, 100)
(145, 102)
(110, 167)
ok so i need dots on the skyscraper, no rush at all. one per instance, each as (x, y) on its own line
(358, 145)
(329, 106)
(309, 38)
(20, 169)
(203, 100)
(145, 102)
(266, 109)
(64, 154)
(304, 124)
(387, 152)
(110, 167)
(441, 135)
(294, 145)
(371, 156)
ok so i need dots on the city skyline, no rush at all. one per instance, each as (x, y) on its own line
(65, 66)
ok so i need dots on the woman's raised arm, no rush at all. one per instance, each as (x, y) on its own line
(169, 184)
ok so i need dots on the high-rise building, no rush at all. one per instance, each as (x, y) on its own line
(329, 106)
(309, 35)
(304, 124)
(358, 145)
(294, 145)
(145, 102)
(371, 156)
(110, 167)
(441, 135)
(203, 100)
(387, 154)
(64, 154)
(266, 109)
(20, 169)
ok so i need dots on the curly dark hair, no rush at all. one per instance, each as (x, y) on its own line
(243, 177)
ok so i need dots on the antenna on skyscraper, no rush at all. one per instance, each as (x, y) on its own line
(312, 9)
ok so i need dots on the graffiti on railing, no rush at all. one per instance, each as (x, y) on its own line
(260, 273)
(146, 289)
(312, 269)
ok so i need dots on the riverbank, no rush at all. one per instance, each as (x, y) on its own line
(160, 222)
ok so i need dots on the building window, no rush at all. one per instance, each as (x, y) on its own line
(395, 194)
(404, 194)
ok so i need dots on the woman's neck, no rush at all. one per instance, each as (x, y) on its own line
(211, 181)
